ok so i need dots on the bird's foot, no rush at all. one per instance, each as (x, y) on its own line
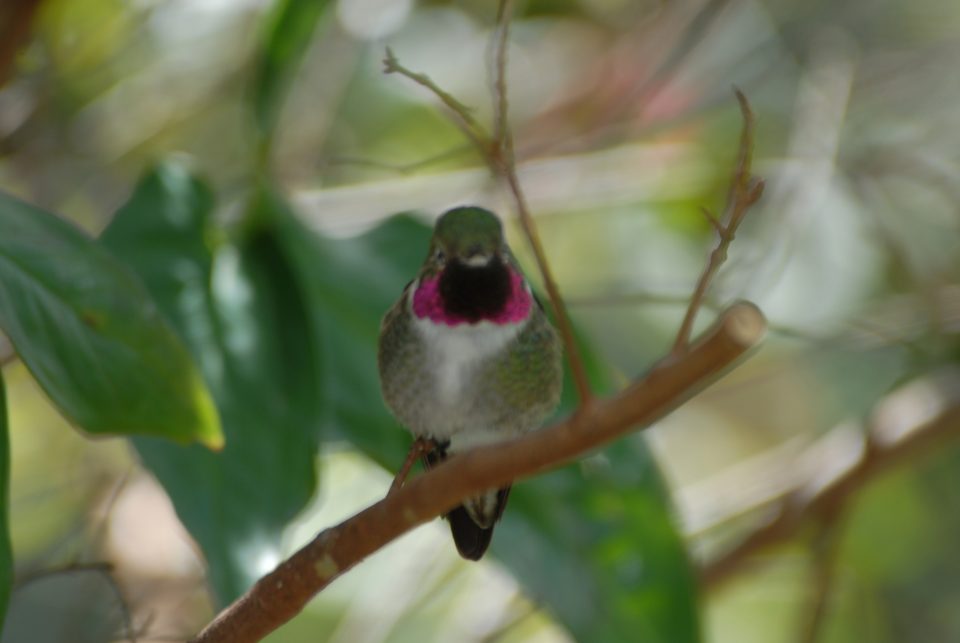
(419, 448)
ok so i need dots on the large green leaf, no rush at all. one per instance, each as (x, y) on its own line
(240, 309)
(91, 335)
(618, 567)
(350, 283)
(6, 553)
(289, 29)
(594, 542)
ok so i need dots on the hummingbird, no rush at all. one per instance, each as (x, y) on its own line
(467, 357)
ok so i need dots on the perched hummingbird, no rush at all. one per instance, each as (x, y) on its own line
(467, 356)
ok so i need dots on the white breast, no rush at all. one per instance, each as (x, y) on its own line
(456, 351)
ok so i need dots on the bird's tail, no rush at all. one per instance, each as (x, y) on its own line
(472, 522)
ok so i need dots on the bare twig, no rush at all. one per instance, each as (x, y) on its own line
(100, 567)
(399, 168)
(498, 152)
(825, 545)
(282, 593)
(464, 118)
(635, 298)
(501, 126)
(915, 416)
(504, 165)
(105, 570)
(714, 222)
(745, 190)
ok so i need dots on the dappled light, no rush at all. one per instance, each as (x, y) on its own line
(740, 215)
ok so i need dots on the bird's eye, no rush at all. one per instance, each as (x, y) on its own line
(439, 256)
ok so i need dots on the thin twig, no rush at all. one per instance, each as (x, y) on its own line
(825, 546)
(102, 567)
(714, 222)
(464, 118)
(504, 164)
(105, 570)
(691, 37)
(498, 153)
(281, 594)
(744, 191)
(399, 168)
(910, 419)
(501, 128)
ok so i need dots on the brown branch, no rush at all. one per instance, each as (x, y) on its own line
(825, 548)
(503, 162)
(910, 419)
(105, 570)
(745, 190)
(281, 594)
(464, 119)
(16, 23)
(501, 104)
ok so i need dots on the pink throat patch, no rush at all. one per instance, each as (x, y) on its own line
(427, 303)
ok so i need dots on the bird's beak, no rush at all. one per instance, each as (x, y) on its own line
(475, 257)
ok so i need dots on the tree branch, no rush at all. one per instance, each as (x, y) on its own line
(745, 190)
(909, 419)
(281, 594)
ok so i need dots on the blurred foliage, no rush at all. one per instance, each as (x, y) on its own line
(266, 244)
(260, 335)
(6, 554)
(240, 308)
(91, 335)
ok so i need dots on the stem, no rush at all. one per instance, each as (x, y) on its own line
(745, 190)
(503, 163)
(825, 546)
(464, 119)
(891, 437)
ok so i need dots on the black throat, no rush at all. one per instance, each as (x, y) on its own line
(475, 292)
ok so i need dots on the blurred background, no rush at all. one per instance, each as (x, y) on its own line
(625, 126)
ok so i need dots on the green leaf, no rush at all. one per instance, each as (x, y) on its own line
(618, 564)
(618, 568)
(595, 542)
(6, 552)
(240, 309)
(91, 335)
(289, 29)
(351, 283)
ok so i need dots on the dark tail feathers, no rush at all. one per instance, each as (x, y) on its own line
(471, 539)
